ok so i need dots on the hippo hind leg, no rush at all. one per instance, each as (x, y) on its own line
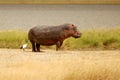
(33, 47)
(58, 45)
(38, 47)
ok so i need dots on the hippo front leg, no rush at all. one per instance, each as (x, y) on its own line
(58, 45)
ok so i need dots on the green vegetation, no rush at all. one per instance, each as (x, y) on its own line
(91, 39)
(96, 39)
(12, 39)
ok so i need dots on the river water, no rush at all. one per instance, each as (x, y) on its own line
(84, 16)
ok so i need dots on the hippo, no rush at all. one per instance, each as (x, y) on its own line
(51, 35)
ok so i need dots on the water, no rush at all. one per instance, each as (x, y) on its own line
(84, 16)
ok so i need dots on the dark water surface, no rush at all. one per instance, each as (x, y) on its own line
(84, 16)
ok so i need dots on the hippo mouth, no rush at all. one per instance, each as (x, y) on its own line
(77, 35)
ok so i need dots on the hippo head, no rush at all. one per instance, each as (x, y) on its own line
(72, 31)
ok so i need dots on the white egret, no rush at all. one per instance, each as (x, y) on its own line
(23, 46)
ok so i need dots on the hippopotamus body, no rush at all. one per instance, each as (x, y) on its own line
(51, 35)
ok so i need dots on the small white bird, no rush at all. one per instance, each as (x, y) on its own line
(23, 46)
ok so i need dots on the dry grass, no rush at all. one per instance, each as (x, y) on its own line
(60, 2)
(61, 65)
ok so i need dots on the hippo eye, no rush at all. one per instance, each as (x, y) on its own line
(72, 25)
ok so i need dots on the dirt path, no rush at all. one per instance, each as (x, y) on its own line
(16, 64)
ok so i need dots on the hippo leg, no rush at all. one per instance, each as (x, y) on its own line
(38, 47)
(33, 47)
(58, 45)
